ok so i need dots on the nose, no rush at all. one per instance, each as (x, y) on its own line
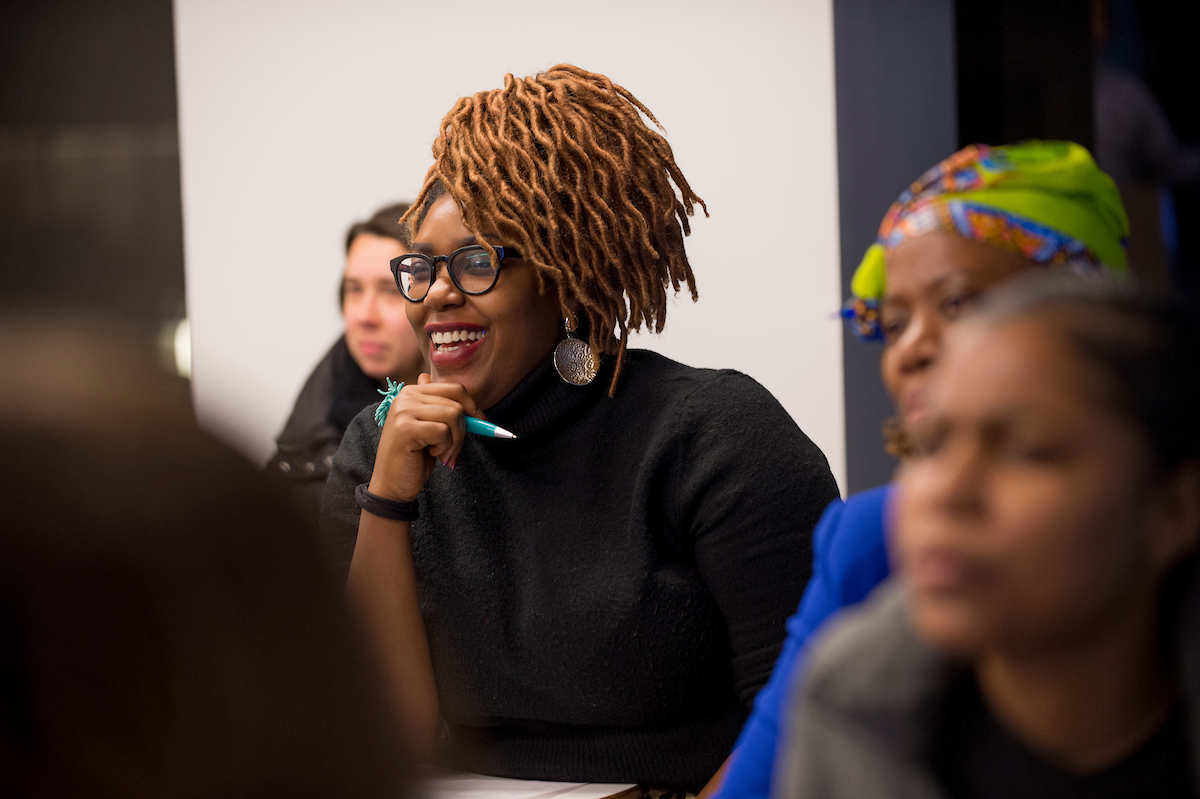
(918, 347)
(365, 311)
(443, 293)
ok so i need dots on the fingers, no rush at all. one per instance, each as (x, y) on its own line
(436, 429)
(409, 414)
(434, 439)
(451, 391)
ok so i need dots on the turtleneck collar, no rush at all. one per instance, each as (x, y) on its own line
(543, 399)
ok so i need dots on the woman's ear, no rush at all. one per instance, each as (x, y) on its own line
(1178, 531)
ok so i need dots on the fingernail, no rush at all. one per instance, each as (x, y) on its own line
(453, 463)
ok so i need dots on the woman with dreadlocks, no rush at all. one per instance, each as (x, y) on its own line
(599, 598)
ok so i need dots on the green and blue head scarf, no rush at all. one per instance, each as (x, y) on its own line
(1046, 201)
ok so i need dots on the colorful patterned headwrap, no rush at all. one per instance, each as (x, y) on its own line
(1046, 201)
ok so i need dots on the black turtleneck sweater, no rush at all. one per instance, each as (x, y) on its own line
(604, 595)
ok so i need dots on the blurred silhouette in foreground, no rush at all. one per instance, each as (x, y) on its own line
(166, 631)
(1043, 638)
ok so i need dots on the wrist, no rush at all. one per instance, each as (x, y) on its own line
(392, 493)
(383, 507)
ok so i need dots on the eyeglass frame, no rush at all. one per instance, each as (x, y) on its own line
(501, 254)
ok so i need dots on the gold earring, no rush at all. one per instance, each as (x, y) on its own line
(573, 358)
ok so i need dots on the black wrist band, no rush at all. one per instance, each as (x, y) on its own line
(385, 508)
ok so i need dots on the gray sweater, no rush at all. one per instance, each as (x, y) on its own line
(863, 713)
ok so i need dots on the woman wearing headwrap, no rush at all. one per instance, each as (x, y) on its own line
(980, 217)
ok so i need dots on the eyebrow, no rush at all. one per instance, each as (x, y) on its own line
(427, 249)
(939, 283)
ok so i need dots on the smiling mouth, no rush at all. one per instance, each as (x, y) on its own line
(450, 340)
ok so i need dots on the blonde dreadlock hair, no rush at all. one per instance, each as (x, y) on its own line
(562, 166)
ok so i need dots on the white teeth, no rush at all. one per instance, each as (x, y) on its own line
(455, 336)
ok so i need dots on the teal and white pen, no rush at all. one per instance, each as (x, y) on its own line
(482, 428)
(473, 425)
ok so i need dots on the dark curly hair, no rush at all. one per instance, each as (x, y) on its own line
(384, 223)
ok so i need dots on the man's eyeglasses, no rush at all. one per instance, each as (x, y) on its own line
(471, 269)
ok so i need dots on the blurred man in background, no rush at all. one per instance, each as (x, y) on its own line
(378, 344)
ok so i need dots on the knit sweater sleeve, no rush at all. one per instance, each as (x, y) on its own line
(751, 487)
(352, 465)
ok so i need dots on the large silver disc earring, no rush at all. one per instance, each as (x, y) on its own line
(573, 358)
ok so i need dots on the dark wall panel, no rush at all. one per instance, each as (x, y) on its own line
(90, 210)
(895, 71)
(70, 62)
(1024, 71)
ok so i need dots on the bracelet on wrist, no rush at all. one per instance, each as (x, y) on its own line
(385, 508)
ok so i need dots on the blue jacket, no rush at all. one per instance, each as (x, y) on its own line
(849, 560)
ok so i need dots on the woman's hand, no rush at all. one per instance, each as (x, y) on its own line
(424, 424)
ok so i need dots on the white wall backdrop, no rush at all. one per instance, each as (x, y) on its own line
(299, 117)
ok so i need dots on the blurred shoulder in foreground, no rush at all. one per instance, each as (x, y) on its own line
(167, 632)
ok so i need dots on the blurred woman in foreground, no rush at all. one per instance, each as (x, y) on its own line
(164, 630)
(1043, 637)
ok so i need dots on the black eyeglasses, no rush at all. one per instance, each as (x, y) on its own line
(471, 269)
